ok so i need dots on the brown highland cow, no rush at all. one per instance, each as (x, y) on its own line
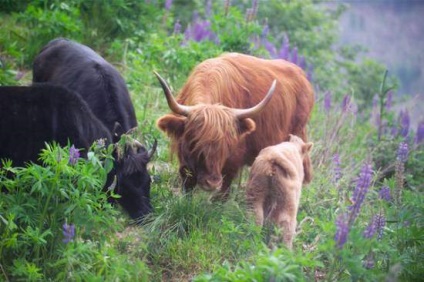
(230, 108)
(275, 184)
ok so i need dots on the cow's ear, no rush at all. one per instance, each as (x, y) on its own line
(246, 126)
(172, 125)
(117, 132)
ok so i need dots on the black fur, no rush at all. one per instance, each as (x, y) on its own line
(79, 68)
(31, 116)
(43, 112)
(132, 174)
(82, 70)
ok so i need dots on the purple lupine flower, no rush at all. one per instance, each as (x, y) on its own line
(74, 155)
(284, 49)
(389, 100)
(404, 121)
(68, 232)
(254, 8)
(371, 228)
(401, 158)
(294, 56)
(342, 230)
(376, 225)
(270, 48)
(168, 4)
(302, 62)
(310, 72)
(419, 136)
(199, 31)
(265, 31)
(362, 185)
(402, 153)
(327, 101)
(195, 16)
(380, 223)
(177, 27)
(208, 9)
(384, 194)
(337, 169)
(346, 103)
(394, 131)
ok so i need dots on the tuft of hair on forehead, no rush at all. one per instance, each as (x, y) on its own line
(134, 163)
(126, 145)
(211, 125)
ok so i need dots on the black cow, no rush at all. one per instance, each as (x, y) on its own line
(31, 116)
(80, 69)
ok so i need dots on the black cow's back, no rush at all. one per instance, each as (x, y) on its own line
(34, 115)
(79, 68)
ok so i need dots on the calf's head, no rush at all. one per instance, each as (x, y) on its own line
(206, 135)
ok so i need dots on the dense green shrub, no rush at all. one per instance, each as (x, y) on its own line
(43, 208)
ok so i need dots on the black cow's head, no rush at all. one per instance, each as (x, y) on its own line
(133, 179)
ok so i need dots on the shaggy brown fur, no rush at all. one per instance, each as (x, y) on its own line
(275, 184)
(211, 143)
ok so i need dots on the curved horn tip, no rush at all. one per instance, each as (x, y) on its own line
(153, 149)
(246, 113)
(172, 103)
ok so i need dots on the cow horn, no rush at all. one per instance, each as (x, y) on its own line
(137, 143)
(153, 150)
(246, 113)
(172, 103)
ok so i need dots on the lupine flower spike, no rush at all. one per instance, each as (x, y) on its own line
(68, 232)
(168, 5)
(327, 101)
(177, 27)
(419, 136)
(362, 185)
(74, 155)
(402, 157)
(376, 226)
(337, 171)
(342, 230)
(404, 121)
(384, 194)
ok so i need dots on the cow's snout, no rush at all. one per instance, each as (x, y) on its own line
(214, 182)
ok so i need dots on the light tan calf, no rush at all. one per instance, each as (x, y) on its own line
(275, 184)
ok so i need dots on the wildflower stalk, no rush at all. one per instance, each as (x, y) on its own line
(44, 215)
(402, 157)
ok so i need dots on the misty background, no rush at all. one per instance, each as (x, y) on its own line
(392, 31)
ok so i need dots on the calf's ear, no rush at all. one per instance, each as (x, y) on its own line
(172, 125)
(306, 148)
(246, 126)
